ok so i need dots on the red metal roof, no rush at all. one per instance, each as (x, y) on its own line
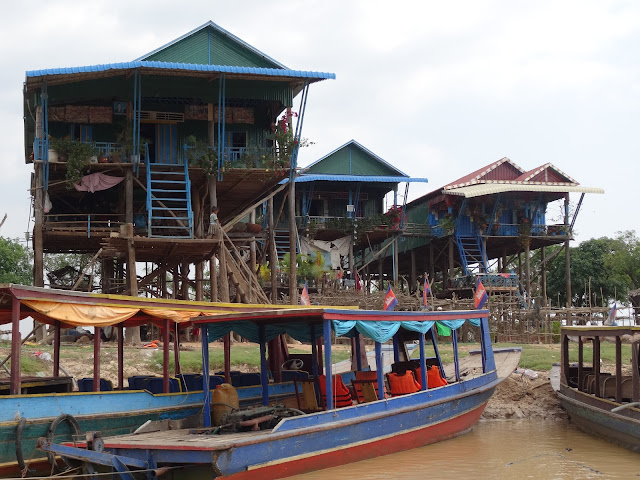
(546, 173)
(501, 170)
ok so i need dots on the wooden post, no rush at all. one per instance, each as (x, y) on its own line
(381, 274)
(619, 369)
(451, 265)
(16, 346)
(133, 333)
(56, 350)
(432, 267)
(252, 260)
(224, 273)
(199, 233)
(165, 356)
(273, 254)
(227, 358)
(543, 259)
(38, 249)
(567, 256)
(128, 195)
(527, 270)
(352, 267)
(120, 357)
(213, 278)
(293, 269)
(176, 349)
(414, 274)
(96, 359)
(395, 261)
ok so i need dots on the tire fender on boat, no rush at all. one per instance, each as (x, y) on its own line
(19, 431)
(65, 417)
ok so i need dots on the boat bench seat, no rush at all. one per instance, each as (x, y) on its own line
(590, 383)
(608, 388)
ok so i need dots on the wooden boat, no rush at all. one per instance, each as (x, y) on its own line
(603, 403)
(34, 407)
(276, 442)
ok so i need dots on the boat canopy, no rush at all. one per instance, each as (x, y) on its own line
(74, 309)
(626, 334)
(305, 324)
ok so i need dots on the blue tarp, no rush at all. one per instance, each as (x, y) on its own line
(379, 331)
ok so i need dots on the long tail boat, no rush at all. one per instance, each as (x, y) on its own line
(34, 407)
(603, 402)
(417, 403)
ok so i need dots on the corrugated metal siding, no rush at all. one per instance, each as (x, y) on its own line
(506, 171)
(226, 51)
(209, 47)
(351, 160)
(549, 175)
(193, 49)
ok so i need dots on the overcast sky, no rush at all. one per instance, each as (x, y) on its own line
(436, 88)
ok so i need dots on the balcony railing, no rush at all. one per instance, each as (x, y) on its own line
(80, 222)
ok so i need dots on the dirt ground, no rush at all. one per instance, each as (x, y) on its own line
(521, 397)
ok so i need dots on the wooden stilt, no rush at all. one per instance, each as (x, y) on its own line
(273, 254)
(165, 356)
(16, 347)
(293, 232)
(120, 357)
(56, 350)
(96, 359)
(252, 260)
(414, 272)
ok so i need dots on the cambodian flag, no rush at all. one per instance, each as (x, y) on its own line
(426, 290)
(390, 300)
(304, 296)
(480, 296)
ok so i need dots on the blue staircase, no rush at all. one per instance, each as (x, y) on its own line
(169, 201)
(472, 253)
(282, 242)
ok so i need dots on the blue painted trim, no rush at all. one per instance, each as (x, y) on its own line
(488, 361)
(206, 413)
(314, 352)
(396, 348)
(434, 341)
(264, 379)
(187, 67)
(315, 177)
(379, 369)
(423, 363)
(326, 327)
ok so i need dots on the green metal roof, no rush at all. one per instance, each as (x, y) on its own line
(210, 44)
(353, 159)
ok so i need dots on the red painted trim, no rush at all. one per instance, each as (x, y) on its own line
(398, 443)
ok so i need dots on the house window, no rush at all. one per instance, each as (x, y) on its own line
(238, 139)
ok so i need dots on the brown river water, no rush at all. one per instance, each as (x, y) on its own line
(500, 449)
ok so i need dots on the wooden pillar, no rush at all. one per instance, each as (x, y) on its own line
(16, 347)
(56, 350)
(543, 260)
(619, 369)
(414, 274)
(635, 380)
(133, 333)
(352, 267)
(293, 269)
(176, 349)
(252, 260)
(120, 357)
(223, 283)
(567, 255)
(199, 233)
(38, 249)
(128, 195)
(381, 274)
(527, 270)
(96, 359)
(451, 264)
(184, 280)
(227, 358)
(213, 278)
(395, 261)
(273, 254)
(165, 356)
(432, 267)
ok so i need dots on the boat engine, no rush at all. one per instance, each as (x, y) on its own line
(259, 418)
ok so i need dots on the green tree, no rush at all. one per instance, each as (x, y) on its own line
(590, 265)
(15, 262)
(624, 262)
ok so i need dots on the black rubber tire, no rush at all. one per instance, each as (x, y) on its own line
(65, 417)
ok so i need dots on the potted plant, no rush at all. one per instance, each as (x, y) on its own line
(80, 155)
(200, 154)
(62, 147)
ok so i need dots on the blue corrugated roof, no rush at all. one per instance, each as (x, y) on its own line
(356, 178)
(273, 72)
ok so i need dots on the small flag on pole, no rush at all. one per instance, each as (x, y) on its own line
(304, 296)
(358, 283)
(611, 318)
(426, 290)
(390, 300)
(480, 296)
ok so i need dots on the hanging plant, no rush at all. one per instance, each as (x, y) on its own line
(79, 156)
